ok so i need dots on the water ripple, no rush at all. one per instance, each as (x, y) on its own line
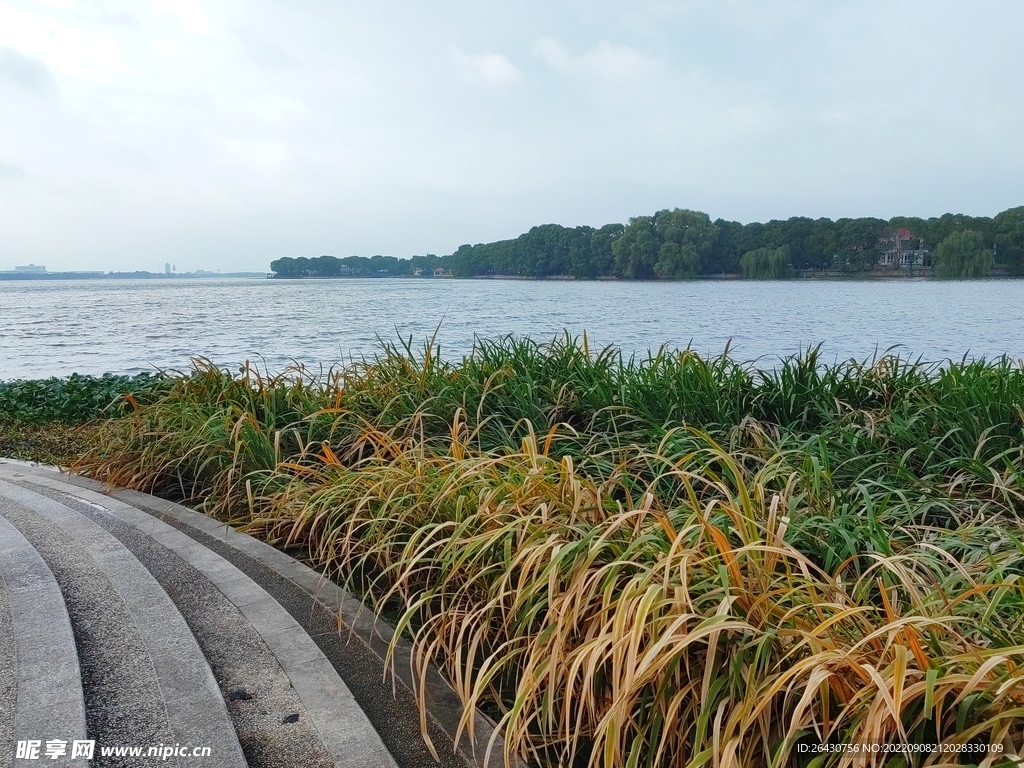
(56, 328)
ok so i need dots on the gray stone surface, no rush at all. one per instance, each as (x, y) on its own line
(341, 724)
(356, 651)
(392, 709)
(139, 632)
(47, 701)
(123, 704)
(258, 693)
(443, 703)
(7, 657)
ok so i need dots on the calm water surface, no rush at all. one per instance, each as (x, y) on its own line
(56, 328)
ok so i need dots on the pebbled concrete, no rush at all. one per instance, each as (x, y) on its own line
(7, 659)
(122, 698)
(258, 694)
(392, 709)
(341, 724)
(347, 632)
(354, 641)
(40, 686)
(130, 607)
(359, 647)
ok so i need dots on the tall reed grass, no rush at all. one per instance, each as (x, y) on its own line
(667, 561)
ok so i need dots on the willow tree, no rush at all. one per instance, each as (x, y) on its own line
(686, 239)
(636, 249)
(963, 254)
(766, 263)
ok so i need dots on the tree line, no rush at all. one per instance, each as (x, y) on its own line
(682, 243)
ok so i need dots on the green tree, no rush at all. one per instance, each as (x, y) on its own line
(767, 263)
(681, 243)
(963, 254)
(601, 261)
(425, 264)
(793, 234)
(859, 241)
(725, 256)
(949, 223)
(686, 241)
(636, 250)
(821, 244)
(284, 267)
(1009, 238)
(677, 261)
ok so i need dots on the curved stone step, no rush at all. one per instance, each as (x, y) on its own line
(7, 680)
(273, 727)
(146, 681)
(343, 728)
(354, 640)
(40, 684)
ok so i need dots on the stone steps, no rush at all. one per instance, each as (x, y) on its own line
(165, 642)
(145, 680)
(40, 682)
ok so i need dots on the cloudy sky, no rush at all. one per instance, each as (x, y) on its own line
(222, 134)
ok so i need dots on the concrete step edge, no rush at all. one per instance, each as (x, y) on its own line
(484, 750)
(188, 690)
(49, 703)
(342, 725)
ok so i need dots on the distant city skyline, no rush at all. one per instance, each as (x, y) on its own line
(220, 136)
(169, 270)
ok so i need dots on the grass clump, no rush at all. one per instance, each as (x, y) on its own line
(667, 561)
(49, 443)
(55, 421)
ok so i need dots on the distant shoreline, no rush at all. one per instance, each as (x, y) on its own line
(924, 273)
(921, 274)
(37, 276)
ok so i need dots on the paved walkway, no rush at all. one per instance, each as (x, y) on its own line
(130, 623)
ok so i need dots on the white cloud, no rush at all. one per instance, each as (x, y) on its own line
(10, 171)
(552, 53)
(67, 49)
(168, 47)
(193, 20)
(272, 108)
(263, 156)
(618, 62)
(490, 68)
(606, 61)
(24, 72)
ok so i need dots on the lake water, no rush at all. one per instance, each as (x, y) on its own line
(56, 328)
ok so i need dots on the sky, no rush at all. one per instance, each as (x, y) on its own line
(221, 134)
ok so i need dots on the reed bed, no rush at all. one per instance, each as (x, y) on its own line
(667, 561)
(54, 421)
